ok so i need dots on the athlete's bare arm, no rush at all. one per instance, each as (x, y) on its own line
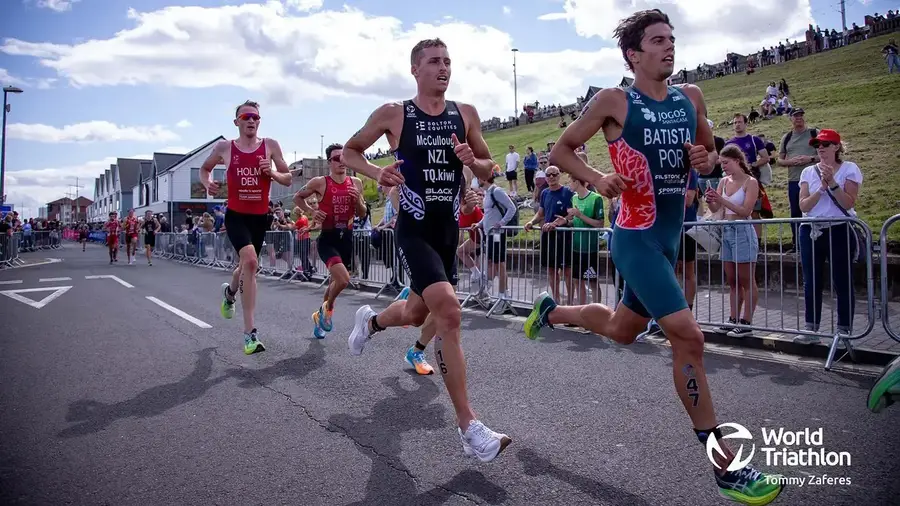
(216, 157)
(386, 120)
(474, 138)
(608, 106)
(705, 136)
(315, 186)
(360, 202)
(283, 174)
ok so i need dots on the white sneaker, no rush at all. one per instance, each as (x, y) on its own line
(360, 334)
(482, 442)
(806, 339)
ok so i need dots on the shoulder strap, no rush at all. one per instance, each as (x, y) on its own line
(831, 195)
(787, 139)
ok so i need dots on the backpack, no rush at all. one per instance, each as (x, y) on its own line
(514, 222)
(787, 138)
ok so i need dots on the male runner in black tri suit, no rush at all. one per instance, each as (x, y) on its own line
(432, 139)
(151, 228)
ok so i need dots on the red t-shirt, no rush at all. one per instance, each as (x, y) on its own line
(467, 220)
(302, 222)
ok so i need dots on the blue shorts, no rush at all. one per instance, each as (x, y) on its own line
(647, 265)
(739, 244)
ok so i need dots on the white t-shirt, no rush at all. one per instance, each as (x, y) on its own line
(512, 162)
(771, 91)
(825, 207)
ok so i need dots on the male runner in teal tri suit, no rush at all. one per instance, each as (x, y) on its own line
(651, 129)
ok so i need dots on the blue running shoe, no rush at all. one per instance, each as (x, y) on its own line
(403, 295)
(749, 486)
(318, 333)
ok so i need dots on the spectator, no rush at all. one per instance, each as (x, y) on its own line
(755, 155)
(737, 194)
(469, 250)
(712, 179)
(530, 165)
(512, 168)
(555, 201)
(586, 212)
(499, 212)
(687, 252)
(828, 189)
(892, 57)
(795, 154)
(302, 250)
(540, 181)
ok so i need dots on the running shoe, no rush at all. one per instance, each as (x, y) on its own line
(749, 486)
(360, 333)
(886, 387)
(539, 316)
(227, 308)
(322, 318)
(481, 442)
(416, 359)
(252, 344)
(318, 333)
(403, 295)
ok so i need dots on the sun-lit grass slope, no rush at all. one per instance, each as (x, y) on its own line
(847, 89)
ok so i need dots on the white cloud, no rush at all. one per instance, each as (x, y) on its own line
(8, 79)
(183, 124)
(506, 10)
(304, 5)
(56, 5)
(174, 150)
(90, 131)
(287, 58)
(31, 188)
(703, 34)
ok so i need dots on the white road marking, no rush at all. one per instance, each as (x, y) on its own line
(114, 278)
(37, 304)
(11, 282)
(200, 323)
(47, 280)
(45, 262)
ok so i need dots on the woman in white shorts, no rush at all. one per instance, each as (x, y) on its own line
(737, 195)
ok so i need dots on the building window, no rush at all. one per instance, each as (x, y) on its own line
(155, 190)
(219, 175)
(198, 191)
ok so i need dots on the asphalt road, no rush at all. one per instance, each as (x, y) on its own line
(109, 398)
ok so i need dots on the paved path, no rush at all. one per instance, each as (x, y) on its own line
(111, 398)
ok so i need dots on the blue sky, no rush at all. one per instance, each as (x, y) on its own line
(111, 78)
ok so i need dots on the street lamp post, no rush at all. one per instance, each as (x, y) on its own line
(6, 90)
(515, 85)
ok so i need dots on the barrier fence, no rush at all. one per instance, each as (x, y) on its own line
(736, 288)
(12, 245)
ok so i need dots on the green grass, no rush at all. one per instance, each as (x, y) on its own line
(847, 89)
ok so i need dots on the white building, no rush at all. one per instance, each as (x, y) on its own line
(113, 189)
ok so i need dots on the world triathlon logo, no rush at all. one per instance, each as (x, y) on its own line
(737, 463)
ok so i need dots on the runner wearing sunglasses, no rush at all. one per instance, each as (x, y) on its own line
(248, 164)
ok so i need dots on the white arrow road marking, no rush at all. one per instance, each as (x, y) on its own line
(57, 291)
(200, 323)
(114, 278)
(11, 282)
(47, 280)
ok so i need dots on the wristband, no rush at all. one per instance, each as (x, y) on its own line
(836, 187)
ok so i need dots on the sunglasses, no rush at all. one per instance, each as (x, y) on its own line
(247, 116)
(335, 159)
(552, 174)
(823, 144)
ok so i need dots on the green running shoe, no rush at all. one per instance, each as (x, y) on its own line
(227, 302)
(539, 316)
(252, 344)
(886, 387)
(749, 486)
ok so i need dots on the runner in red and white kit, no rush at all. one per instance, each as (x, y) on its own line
(112, 229)
(248, 164)
(340, 199)
(132, 227)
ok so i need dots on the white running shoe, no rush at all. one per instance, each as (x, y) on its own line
(482, 442)
(360, 333)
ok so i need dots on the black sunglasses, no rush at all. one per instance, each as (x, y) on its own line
(823, 144)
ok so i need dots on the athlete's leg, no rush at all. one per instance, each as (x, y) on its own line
(415, 354)
(340, 279)
(246, 272)
(622, 325)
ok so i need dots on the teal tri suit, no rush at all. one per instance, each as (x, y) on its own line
(649, 226)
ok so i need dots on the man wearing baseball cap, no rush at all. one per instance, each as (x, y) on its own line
(796, 153)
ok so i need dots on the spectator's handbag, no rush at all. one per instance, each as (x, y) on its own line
(708, 237)
(860, 236)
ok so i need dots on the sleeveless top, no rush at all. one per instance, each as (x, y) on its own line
(430, 195)
(149, 227)
(337, 205)
(131, 226)
(248, 187)
(651, 152)
(736, 198)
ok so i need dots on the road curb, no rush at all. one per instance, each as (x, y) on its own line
(787, 346)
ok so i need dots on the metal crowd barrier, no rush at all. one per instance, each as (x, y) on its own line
(9, 250)
(533, 261)
(889, 327)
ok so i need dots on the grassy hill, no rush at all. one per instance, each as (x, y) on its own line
(847, 89)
